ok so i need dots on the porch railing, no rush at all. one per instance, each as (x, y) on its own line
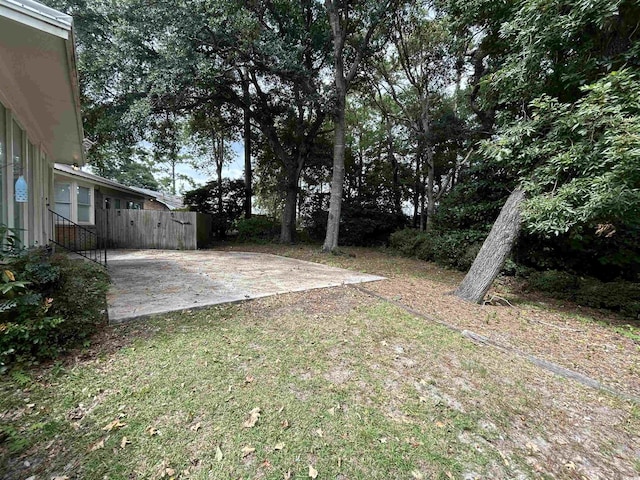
(77, 239)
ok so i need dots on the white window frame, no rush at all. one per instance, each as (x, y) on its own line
(73, 193)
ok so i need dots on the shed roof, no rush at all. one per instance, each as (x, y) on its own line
(173, 202)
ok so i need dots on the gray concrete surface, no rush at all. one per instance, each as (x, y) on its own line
(148, 282)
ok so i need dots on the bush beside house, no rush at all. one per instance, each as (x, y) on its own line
(48, 303)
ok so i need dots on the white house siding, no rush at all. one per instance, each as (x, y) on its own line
(39, 112)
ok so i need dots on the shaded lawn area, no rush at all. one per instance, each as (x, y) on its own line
(348, 386)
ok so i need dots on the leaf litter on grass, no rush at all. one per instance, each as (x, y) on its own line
(477, 412)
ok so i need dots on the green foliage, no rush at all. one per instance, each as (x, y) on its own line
(61, 302)
(258, 228)
(408, 241)
(454, 249)
(579, 162)
(205, 200)
(620, 296)
(361, 224)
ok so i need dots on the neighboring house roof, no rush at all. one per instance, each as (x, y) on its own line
(173, 202)
(68, 171)
(38, 76)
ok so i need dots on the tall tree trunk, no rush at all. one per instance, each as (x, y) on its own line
(337, 179)
(248, 174)
(417, 188)
(218, 145)
(288, 227)
(391, 157)
(431, 198)
(174, 160)
(494, 251)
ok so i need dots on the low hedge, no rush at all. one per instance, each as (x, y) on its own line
(453, 249)
(619, 296)
(458, 249)
(258, 228)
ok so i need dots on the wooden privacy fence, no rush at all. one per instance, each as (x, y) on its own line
(153, 229)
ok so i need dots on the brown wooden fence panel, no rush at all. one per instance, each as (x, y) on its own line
(148, 229)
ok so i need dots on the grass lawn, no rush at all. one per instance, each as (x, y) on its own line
(332, 383)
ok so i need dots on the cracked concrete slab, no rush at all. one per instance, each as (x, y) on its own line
(150, 282)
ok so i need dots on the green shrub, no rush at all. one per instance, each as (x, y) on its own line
(560, 284)
(619, 296)
(257, 229)
(61, 302)
(456, 249)
(424, 248)
(407, 241)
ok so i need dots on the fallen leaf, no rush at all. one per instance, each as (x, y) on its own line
(31, 405)
(287, 475)
(332, 411)
(247, 450)
(124, 442)
(96, 446)
(449, 475)
(170, 471)
(440, 424)
(196, 427)
(249, 379)
(279, 446)
(313, 473)
(64, 477)
(319, 432)
(115, 425)
(417, 474)
(152, 431)
(253, 418)
(382, 440)
(285, 424)
(570, 466)
(218, 453)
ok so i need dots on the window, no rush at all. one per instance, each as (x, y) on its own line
(74, 201)
(63, 199)
(84, 204)
(117, 203)
(19, 165)
(3, 159)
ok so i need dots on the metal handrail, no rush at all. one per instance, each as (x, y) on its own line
(77, 239)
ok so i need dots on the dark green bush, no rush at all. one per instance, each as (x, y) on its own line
(456, 249)
(62, 302)
(361, 224)
(257, 229)
(619, 296)
(560, 284)
(407, 241)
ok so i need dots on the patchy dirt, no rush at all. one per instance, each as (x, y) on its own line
(560, 428)
(574, 337)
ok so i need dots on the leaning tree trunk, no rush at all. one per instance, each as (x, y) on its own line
(494, 251)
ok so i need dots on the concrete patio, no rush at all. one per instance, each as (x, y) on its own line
(149, 282)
